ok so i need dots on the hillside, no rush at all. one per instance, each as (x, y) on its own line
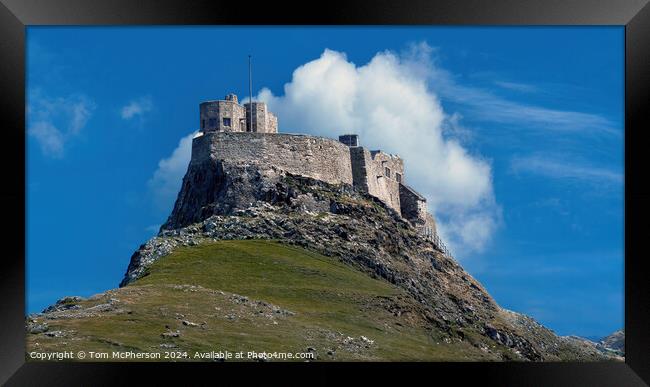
(260, 260)
(254, 295)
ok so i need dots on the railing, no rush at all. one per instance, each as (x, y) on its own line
(431, 235)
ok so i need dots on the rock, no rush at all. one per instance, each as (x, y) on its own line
(65, 303)
(614, 342)
(171, 334)
(498, 336)
(367, 340)
(54, 334)
(189, 323)
(36, 328)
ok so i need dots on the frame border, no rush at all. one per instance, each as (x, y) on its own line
(16, 15)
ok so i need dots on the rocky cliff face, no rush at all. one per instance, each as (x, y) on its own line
(221, 201)
(615, 342)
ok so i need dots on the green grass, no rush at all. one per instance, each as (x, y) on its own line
(331, 301)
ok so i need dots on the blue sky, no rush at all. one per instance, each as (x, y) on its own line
(514, 134)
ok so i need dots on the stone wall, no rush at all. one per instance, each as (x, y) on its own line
(213, 113)
(375, 172)
(370, 174)
(229, 116)
(271, 123)
(413, 205)
(263, 121)
(316, 157)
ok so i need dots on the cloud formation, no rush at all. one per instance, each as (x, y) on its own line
(53, 121)
(166, 180)
(389, 103)
(520, 87)
(137, 107)
(561, 168)
(490, 107)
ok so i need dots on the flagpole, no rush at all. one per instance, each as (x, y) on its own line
(250, 95)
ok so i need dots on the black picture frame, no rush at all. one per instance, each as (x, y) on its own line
(16, 15)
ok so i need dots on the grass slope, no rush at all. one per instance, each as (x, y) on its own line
(260, 296)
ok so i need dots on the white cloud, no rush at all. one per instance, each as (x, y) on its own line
(560, 168)
(520, 87)
(137, 107)
(54, 121)
(49, 138)
(166, 180)
(388, 102)
(80, 113)
(452, 127)
(491, 108)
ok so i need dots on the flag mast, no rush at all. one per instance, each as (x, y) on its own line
(250, 95)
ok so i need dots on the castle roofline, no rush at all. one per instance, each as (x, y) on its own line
(219, 100)
(230, 101)
(373, 153)
(414, 192)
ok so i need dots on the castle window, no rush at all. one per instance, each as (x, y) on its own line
(387, 171)
(226, 121)
(398, 177)
(212, 122)
(202, 124)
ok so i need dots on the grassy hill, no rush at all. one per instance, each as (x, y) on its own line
(252, 295)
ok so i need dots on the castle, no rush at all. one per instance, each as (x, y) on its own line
(248, 134)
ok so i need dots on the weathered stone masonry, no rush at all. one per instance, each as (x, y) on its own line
(317, 157)
(227, 115)
(230, 135)
(377, 173)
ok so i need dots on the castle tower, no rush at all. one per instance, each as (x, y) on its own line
(227, 115)
(262, 120)
(349, 139)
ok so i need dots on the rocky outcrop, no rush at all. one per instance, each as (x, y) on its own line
(221, 202)
(614, 342)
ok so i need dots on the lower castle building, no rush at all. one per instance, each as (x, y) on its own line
(248, 135)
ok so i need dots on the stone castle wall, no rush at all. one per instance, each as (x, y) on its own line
(228, 115)
(377, 173)
(214, 115)
(271, 123)
(316, 157)
(263, 121)
(414, 206)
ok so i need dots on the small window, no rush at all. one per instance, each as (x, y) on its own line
(202, 124)
(398, 177)
(387, 171)
(212, 122)
(226, 121)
